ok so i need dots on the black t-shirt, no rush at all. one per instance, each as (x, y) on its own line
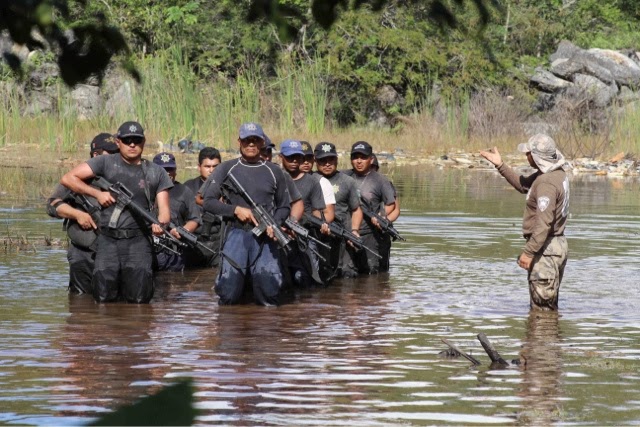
(69, 197)
(114, 169)
(194, 184)
(263, 181)
(347, 198)
(311, 192)
(183, 205)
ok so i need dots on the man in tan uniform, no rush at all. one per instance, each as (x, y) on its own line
(545, 215)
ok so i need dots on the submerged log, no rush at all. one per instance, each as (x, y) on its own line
(462, 353)
(492, 352)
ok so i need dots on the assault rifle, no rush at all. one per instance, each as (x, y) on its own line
(303, 233)
(385, 225)
(124, 198)
(341, 233)
(260, 213)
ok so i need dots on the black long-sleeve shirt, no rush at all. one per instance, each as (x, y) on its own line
(263, 181)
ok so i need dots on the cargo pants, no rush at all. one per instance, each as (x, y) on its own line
(546, 273)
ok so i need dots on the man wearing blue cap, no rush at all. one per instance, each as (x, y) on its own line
(247, 258)
(124, 254)
(303, 262)
(184, 212)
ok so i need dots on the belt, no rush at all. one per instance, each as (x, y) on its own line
(116, 233)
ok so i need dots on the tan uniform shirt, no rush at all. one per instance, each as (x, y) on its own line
(547, 207)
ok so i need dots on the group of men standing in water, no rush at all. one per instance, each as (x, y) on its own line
(273, 229)
(266, 226)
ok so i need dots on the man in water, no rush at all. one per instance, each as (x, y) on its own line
(124, 254)
(248, 259)
(79, 223)
(209, 232)
(184, 212)
(546, 209)
(378, 195)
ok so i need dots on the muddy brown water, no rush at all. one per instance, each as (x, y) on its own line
(361, 352)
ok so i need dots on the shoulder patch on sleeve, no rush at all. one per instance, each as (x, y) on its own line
(543, 203)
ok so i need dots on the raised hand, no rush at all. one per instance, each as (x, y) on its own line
(492, 155)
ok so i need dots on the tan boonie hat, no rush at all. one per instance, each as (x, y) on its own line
(544, 152)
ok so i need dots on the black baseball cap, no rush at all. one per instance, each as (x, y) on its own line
(103, 141)
(325, 149)
(166, 160)
(128, 129)
(362, 147)
(306, 148)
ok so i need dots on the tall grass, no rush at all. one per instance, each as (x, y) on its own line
(172, 103)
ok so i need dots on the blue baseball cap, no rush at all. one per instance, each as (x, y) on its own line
(166, 160)
(289, 147)
(251, 129)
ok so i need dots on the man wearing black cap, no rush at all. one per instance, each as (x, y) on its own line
(124, 258)
(80, 215)
(184, 212)
(347, 211)
(247, 258)
(547, 206)
(377, 193)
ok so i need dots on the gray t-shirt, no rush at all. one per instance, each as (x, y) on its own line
(311, 192)
(194, 184)
(183, 205)
(345, 190)
(136, 178)
(375, 191)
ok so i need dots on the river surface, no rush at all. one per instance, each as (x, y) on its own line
(361, 352)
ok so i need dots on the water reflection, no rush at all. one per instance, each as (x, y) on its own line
(360, 352)
(541, 357)
(109, 354)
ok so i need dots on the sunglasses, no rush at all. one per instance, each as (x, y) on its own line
(135, 140)
(294, 158)
(251, 140)
(308, 158)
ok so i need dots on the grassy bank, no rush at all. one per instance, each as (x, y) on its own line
(173, 104)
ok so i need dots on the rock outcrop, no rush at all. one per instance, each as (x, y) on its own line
(601, 77)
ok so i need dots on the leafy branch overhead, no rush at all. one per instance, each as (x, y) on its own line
(84, 48)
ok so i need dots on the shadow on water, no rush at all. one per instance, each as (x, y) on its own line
(361, 352)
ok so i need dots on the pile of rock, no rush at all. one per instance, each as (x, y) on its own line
(599, 76)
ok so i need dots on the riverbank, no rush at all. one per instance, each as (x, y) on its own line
(30, 171)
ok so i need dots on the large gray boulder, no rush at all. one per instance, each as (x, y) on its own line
(565, 50)
(39, 103)
(548, 82)
(120, 101)
(625, 71)
(86, 101)
(589, 88)
(581, 62)
(606, 65)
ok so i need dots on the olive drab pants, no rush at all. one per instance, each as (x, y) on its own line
(546, 273)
